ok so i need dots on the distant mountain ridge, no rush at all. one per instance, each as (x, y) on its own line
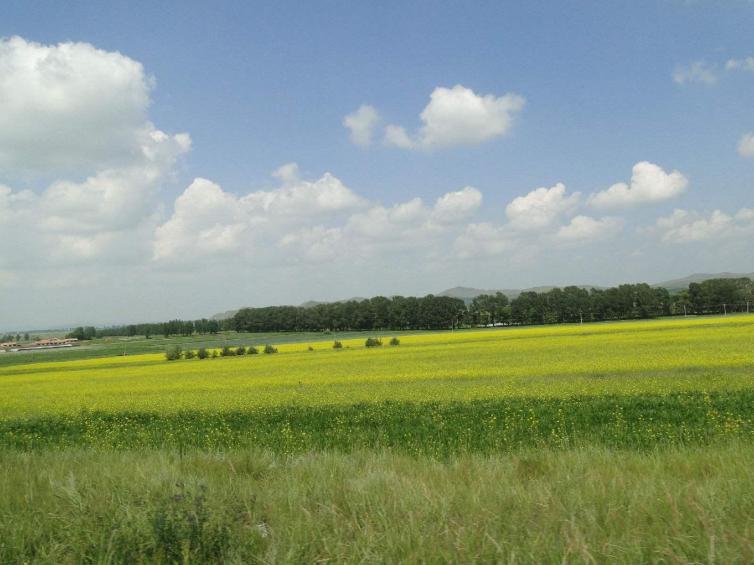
(467, 294)
(680, 284)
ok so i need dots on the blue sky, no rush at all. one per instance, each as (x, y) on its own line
(606, 85)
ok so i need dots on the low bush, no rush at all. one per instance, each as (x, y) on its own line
(240, 350)
(395, 341)
(202, 353)
(337, 345)
(373, 342)
(189, 354)
(173, 353)
(270, 349)
(215, 354)
(310, 348)
(226, 351)
(252, 350)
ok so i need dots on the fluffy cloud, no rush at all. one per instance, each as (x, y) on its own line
(698, 71)
(362, 123)
(649, 183)
(746, 145)
(207, 220)
(73, 112)
(541, 208)
(584, 228)
(457, 206)
(70, 108)
(684, 226)
(309, 220)
(302, 198)
(458, 116)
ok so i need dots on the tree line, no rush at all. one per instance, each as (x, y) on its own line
(570, 304)
(166, 329)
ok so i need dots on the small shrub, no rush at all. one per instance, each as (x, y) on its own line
(226, 351)
(202, 353)
(373, 342)
(173, 353)
(252, 350)
(215, 354)
(310, 348)
(189, 354)
(270, 349)
(240, 350)
(337, 345)
(395, 341)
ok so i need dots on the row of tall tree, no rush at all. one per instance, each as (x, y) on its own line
(559, 305)
(378, 313)
(166, 329)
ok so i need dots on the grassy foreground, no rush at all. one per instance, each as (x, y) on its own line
(577, 506)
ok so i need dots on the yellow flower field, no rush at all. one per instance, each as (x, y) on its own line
(626, 358)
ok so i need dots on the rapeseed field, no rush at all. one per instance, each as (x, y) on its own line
(632, 384)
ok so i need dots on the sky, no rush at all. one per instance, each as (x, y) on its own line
(163, 160)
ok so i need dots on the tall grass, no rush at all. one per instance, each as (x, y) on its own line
(578, 506)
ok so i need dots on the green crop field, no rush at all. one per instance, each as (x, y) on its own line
(520, 407)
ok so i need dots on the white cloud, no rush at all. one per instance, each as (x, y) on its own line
(207, 220)
(745, 64)
(73, 112)
(362, 123)
(315, 244)
(698, 71)
(303, 198)
(684, 226)
(482, 239)
(710, 73)
(585, 228)
(649, 183)
(746, 145)
(457, 206)
(70, 108)
(397, 136)
(541, 208)
(458, 116)
(287, 174)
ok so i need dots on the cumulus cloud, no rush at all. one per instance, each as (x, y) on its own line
(459, 116)
(683, 226)
(208, 220)
(361, 123)
(649, 183)
(698, 71)
(541, 208)
(72, 112)
(584, 228)
(457, 206)
(70, 108)
(309, 220)
(746, 145)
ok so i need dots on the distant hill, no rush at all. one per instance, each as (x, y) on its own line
(681, 284)
(224, 315)
(467, 294)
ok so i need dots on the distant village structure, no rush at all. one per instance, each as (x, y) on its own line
(49, 343)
